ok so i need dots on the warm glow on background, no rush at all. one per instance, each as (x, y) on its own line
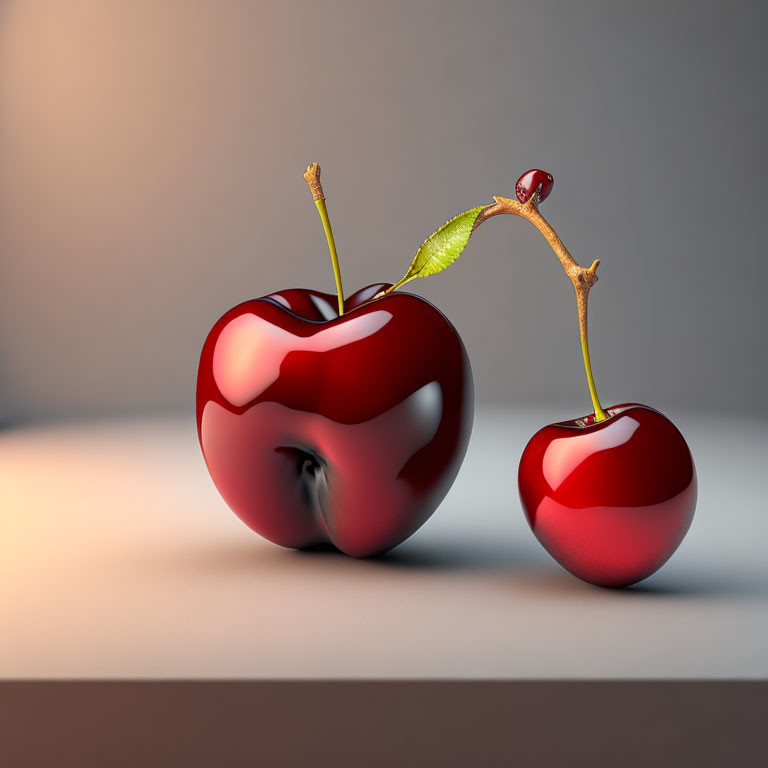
(151, 177)
(152, 160)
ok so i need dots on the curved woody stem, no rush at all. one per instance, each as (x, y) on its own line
(582, 278)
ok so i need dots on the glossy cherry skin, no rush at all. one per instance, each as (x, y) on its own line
(612, 500)
(324, 429)
(530, 181)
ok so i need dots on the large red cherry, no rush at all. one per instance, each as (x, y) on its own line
(324, 429)
(610, 500)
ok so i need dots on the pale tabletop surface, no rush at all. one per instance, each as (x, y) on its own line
(118, 559)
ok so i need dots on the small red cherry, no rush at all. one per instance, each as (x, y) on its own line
(530, 181)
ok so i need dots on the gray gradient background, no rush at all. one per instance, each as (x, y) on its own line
(151, 160)
(151, 177)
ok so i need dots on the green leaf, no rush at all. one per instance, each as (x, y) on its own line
(443, 247)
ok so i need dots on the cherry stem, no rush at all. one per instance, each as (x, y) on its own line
(312, 177)
(581, 278)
